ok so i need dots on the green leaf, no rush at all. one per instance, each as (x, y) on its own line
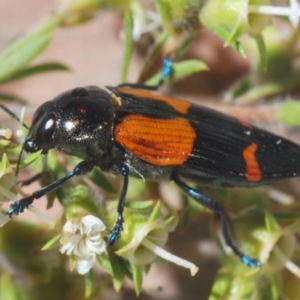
(235, 32)
(55, 171)
(89, 284)
(128, 22)
(12, 98)
(30, 159)
(230, 41)
(139, 204)
(295, 225)
(172, 221)
(271, 223)
(264, 90)
(155, 214)
(289, 113)
(262, 50)
(239, 48)
(185, 46)
(105, 263)
(29, 71)
(188, 67)
(17, 55)
(118, 268)
(8, 288)
(137, 272)
(54, 242)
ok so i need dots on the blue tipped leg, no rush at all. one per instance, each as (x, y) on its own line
(250, 262)
(214, 206)
(20, 205)
(115, 233)
(165, 73)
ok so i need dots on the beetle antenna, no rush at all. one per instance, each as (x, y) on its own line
(13, 115)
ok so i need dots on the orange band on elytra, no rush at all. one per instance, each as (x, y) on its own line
(157, 141)
(253, 172)
(179, 105)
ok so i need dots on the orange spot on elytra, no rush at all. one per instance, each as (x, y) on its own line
(253, 172)
(82, 110)
(160, 142)
(179, 105)
(244, 123)
(76, 123)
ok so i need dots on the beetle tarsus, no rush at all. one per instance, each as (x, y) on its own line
(115, 233)
(250, 262)
(19, 206)
(32, 179)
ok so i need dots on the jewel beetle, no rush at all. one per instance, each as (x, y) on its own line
(129, 131)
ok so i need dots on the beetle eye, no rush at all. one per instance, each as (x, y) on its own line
(41, 135)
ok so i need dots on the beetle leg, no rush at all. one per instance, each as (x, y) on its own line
(214, 206)
(32, 179)
(20, 205)
(115, 233)
(165, 73)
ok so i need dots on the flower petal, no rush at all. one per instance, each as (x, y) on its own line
(84, 264)
(92, 223)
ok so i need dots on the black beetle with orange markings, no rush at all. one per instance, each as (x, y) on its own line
(132, 132)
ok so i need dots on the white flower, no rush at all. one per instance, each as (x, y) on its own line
(83, 240)
(6, 132)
